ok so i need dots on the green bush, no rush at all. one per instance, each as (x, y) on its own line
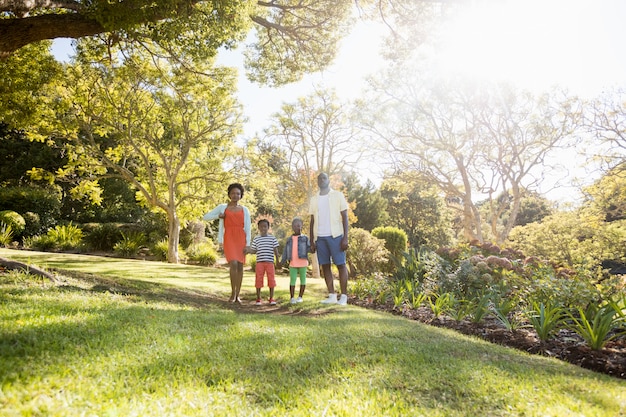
(366, 254)
(45, 202)
(13, 219)
(6, 235)
(203, 253)
(130, 244)
(251, 260)
(33, 224)
(396, 242)
(66, 237)
(159, 250)
(103, 237)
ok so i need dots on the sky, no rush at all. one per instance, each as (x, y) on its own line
(534, 44)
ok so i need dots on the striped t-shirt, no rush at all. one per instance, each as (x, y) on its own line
(264, 247)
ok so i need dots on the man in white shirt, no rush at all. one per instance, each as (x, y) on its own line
(329, 236)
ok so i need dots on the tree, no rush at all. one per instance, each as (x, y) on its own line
(316, 135)
(27, 97)
(605, 119)
(415, 207)
(164, 130)
(370, 205)
(292, 37)
(471, 140)
(608, 194)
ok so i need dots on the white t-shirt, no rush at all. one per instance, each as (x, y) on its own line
(323, 225)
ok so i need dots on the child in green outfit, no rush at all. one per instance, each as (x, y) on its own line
(296, 252)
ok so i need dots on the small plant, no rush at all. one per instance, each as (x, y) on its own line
(460, 309)
(6, 234)
(159, 250)
(130, 244)
(103, 237)
(545, 319)
(440, 304)
(596, 325)
(66, 237)
(203, 253)
(479, 308)
(414, 296)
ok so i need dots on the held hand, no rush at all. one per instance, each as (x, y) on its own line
(222, 215)
(313, 247)
(344, 244)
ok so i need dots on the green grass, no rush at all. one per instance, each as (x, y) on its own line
(79, 349)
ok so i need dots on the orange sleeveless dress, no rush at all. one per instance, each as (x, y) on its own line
(234, 236)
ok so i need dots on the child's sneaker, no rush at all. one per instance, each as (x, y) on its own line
(258, 302)
(332, 299)
(299, 300)
(293, 301)
(343, 300)
(272, 302)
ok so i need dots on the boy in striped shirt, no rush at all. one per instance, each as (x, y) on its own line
(266, 248)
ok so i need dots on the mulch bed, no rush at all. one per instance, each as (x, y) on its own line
(565, 345)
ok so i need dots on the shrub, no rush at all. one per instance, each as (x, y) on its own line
(596, 325)
(45, 202)
(13, 219)
(103, 237)
(130, 244)
(6, 235)
(203, 253)
(66, 237)
(33, 225)
(366, 254)
(545, 319)
(395, 242)
(251, 260)
(159, 250)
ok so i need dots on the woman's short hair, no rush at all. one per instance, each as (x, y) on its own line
(235, 185)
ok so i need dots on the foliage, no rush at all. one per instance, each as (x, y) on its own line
(27, 100)
(6, 234)
(182, 129)
(366, 253)
(371, 206)
(204, 253)
(414, 206)
(440, 303)
(316, 135)
(575, 238)
(14, 220)
(465, 137)
(596, 324)
(395, 242)
(66, 237)
(292, 38)
(102, 237)
(130, 244)
(545, 319)
(374, 287)
(420, 270)
(251, 260)
(45, 203)
(61, 237)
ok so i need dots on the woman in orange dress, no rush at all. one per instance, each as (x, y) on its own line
(233, 235)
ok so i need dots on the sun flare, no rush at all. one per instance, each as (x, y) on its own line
(536, 44)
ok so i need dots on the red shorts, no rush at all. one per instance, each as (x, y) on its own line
(261, 268)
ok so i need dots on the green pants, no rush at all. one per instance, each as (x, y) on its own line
(293, 274)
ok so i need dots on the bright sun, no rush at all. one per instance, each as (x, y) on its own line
(536, 44)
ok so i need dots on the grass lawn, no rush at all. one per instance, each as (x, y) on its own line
(157, 341)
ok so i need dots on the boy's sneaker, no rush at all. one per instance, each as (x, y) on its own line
(299, 300)
(332, 299)
(293, 301)
(258, 302)
(272, 302)
(343, 300)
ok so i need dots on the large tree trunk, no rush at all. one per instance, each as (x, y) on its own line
(173, 237)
